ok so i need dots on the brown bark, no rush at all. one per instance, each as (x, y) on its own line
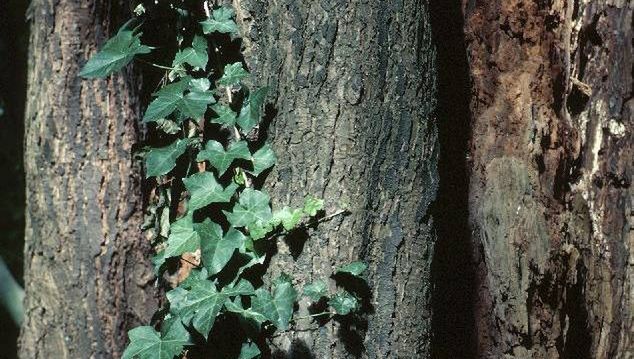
(87, 272)
(551, 158)
(353, 96)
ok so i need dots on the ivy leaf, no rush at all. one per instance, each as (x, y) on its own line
(354, 268)
(263, 159)
(204, 189)
(316, 290)
(147, 343)
(183, 238)
(288, 218)
(249, 314)
(168, 126)
(243, 287)
(252, 207)
(313, 205)
(160, 161)
(278, 308)
(224, 115)
(157, 261)
(172, 97)
(200, 306)
(166, 101)
(252, 109)
(233, 74)
(249, 351)
(195, 103)
(216, 250)
(221, 22)
(196, 56)
(215, 153)
(115, 54)
(344, 303)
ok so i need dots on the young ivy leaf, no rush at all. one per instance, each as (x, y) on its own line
(147, 343)
(354, 268)
(263, 159)
(252, 109)
(233, 74)
(249, 351)
(196, 56)
(316, 290)
(160, 161)
(200, 306)
(252, 207)
(215, 153)
(344, 303)
(312, 205)
(115, 54)
(204, 189)
(183, 238)
(221, 21)
(224, 115)
(277, 308)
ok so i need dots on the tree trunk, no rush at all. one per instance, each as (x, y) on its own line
(352, 121)
(551, 158)
(87, 270)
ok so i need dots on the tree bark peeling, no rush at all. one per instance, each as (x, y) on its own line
(550, 192)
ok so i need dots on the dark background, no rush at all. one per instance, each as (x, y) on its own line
(13, 50)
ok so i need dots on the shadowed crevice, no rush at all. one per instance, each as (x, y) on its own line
(453, 271)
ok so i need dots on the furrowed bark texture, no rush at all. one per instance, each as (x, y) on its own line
(353, 95)
(550, 196)
(86, 273)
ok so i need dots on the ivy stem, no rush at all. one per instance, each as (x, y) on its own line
(313, 315)
(155, 65)
(236, 134)
(307, 224)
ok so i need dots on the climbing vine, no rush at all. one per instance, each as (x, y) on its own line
(209, 213)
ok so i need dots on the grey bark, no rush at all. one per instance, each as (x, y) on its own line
(352, 121)
(551, 196)
(87, 270)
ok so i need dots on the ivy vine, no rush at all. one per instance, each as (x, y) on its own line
(210, 118)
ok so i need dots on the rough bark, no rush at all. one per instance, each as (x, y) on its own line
(352, 120)
(87, 274)
(551, 158)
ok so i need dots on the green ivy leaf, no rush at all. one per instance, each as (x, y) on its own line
(204, 189)
(167, 99)
(171, 97)
(243, 287)
(196, 56)
(183, 238)
(252, 109)
(316, 290)
(200, 306)
(168, 126)
(220, 159)
(233, 74)
(289, 218)
(147, 343)
(354, 268)
(160, 161)
(249, 314)
(249, 351)
(252, 207)
(278, 308)
(224, 115)
(221, 22)
(263, 159)
(115, 54)
(216, 250)
(313, 205)
(344, 303)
